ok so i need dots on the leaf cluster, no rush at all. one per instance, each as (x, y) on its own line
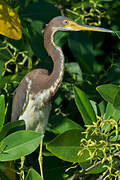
(82, 137)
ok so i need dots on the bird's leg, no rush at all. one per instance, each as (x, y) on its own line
(40, 158)
(22, 176)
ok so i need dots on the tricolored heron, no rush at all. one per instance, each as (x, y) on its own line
(32, 97)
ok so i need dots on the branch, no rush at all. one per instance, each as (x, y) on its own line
(93, 166)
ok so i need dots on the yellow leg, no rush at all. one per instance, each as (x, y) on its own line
(40, 158)
(22, 176)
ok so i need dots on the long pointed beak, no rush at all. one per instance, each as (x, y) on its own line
(91, 28)
(79, 27)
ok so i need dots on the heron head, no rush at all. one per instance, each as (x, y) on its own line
(62, 23)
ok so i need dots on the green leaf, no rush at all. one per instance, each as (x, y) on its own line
(12, 127)
(60, 38)
(118, 34)
(101, 108)
(10, 78)
(113, 75)
(74, 68)
(84, 106)
(110, 93)
(37, 11)
(36, 42)
(111, 112)
(4, 54)
(33, 175)
(114, 138)
(82, 49)
(6, 79)
(63, 125)
(2, 111)
(97, 169)
(94, 106)
(67, 145)
(19, 144)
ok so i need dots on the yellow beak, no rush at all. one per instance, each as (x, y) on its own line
(79, 27)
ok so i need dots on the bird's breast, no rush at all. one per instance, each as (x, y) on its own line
(36, 114)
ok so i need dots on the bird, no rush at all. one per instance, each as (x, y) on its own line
(32, 98)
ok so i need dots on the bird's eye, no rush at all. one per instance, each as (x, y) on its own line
(65, 22)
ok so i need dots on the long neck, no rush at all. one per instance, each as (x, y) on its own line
(57, 56)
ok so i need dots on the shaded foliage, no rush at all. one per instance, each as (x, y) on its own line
(83, 133)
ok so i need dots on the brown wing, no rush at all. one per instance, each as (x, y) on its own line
(36, 76)
(19, 100)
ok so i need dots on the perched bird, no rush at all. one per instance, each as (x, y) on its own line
(32, 98)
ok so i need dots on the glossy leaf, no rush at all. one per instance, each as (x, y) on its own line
(110, 93)
(84, 106)
(98, 169)
(118, 34)
(101, 108)
(2, 111)
(114, 73)
(6, 79)
(112, 112)
(43, 11)
(74, 68)
(12, 127)
(60, 38)
(93, 103)
(36, 42)
(33, 175)
(67, 145)
(82, 50)
(64, 124)
(19, 144)
(10, 25)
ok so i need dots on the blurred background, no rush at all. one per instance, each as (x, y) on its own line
(91, 59)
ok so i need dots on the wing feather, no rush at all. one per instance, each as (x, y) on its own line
(33, 82)
(19, 100)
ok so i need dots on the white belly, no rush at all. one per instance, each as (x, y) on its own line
(36, 118)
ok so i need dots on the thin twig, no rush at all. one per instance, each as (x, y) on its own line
(93, 166)
(24, 59)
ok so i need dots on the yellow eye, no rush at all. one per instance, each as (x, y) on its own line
(65, 22)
